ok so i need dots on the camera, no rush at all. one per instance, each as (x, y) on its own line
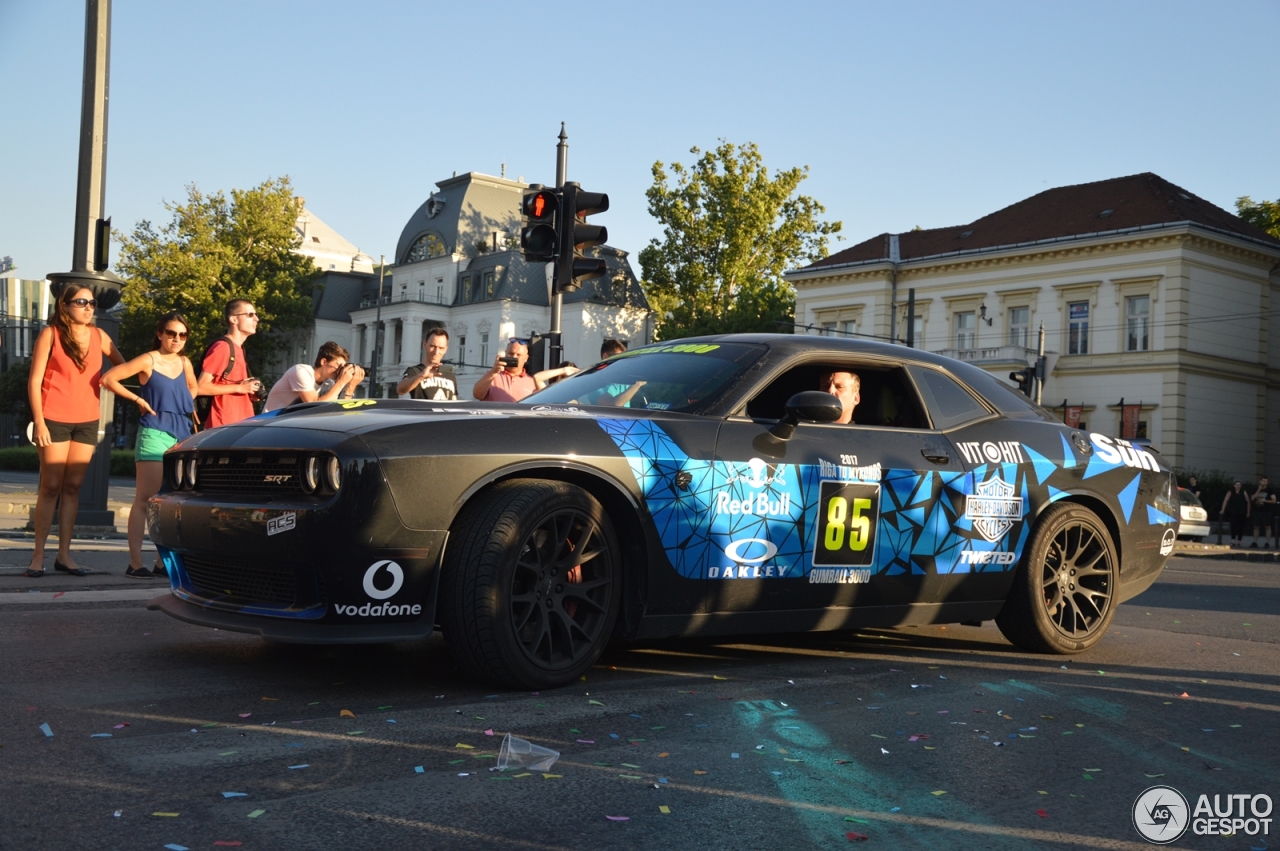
(509, 361)
(260, 395)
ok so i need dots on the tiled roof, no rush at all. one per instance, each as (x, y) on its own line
(1068, 211)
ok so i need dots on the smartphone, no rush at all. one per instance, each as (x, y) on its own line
(509, 361)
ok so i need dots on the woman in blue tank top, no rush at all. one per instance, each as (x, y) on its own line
(166, 394)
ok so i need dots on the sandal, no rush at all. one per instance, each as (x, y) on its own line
(70, 571)
(138, 573)
(33, 573)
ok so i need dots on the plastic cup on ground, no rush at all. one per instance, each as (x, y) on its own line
(518, 753)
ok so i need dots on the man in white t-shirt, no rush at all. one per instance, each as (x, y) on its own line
(330, 378)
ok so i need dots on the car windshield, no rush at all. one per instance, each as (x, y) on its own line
(1186, 497)
(661, 377)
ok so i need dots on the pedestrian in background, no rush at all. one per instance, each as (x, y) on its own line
(1193, 486)
(1263, 510)
(1235, 511)
(224, 374)
(66, 374)
(166, 399)
(329, 378)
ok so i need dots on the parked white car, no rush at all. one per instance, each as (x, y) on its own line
(1194, 521)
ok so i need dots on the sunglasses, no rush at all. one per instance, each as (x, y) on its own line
(521, 340)
(174, 335)
(83, 302)
(250, 315)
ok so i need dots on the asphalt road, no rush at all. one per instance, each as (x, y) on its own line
(785, 742)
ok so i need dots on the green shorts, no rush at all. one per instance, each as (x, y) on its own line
(152, 444)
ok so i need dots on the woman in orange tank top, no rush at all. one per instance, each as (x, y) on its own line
(66, 371)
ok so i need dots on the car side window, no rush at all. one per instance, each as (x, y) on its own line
(887, 397)
(949, 404)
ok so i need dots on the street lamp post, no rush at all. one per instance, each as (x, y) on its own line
(89, 256)
(377, 325)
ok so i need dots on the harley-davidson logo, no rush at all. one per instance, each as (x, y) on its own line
(993, 508)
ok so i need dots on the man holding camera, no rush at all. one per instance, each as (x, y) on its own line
(224, 374)
(305, 383)
(431, 379)
(507, 381)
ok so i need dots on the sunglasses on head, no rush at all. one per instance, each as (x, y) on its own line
(521, 340)
(83, 302)
(174, 335)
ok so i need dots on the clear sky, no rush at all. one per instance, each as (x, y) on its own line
(907, 113)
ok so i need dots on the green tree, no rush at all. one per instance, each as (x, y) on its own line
(729, 232)
(13, 390)
(1264, 215)
(214, 249)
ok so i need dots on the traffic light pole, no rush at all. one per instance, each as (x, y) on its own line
(557, 298)
(89, 253)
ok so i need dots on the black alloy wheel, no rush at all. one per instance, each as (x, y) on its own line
(531, 586)
(1064, 594)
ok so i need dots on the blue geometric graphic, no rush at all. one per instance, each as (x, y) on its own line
(1155, 517)
(1128, 496)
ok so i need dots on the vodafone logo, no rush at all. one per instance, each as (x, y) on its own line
(397, 579)
(751, 551)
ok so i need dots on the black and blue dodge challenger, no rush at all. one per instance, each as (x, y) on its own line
(700, 487)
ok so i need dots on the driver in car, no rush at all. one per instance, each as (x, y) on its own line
(844, 386)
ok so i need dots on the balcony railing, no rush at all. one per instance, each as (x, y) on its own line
(991, 354)
(405, 298)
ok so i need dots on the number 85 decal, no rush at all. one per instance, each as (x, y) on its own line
(847, 516)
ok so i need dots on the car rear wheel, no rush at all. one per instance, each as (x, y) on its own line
(531, 586)
(1064, 593)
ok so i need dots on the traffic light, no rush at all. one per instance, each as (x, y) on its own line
(538, 238)
(574, 266)
(1023, 378)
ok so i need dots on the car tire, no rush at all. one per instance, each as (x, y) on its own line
(512, 609)
(1066, 589)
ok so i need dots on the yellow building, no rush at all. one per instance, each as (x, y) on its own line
(1146, 292)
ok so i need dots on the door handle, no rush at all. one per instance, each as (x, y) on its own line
(936, 457)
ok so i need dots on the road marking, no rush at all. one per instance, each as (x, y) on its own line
(1204, 573)
(107, 596)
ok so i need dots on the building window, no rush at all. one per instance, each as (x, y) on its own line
(422, 290)
(828, 329)
(966, 330)
(427, 246)
(1019, 321)
(466, 289)
(462, 350)
(484, 349)
(1078, 328)
(488, 285)
(1137, 310)
(850, 328)
(439, 290)
(917, 337)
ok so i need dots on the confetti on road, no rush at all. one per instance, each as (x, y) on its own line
(245, 714)
(465, 747)
(853, 836)
(346, 713)
(99, 735)
(235, 794)
(173, 846)
(699, 771)
(1042, 814)
(121, 726)
(418, 769)
(47, 730)
(256, 813)
(303, 765)
(229, 843)
(270, 698)
(586, 741)
(165, 815)
(594, 702)
(546, 776)
(882, 750)
(940, 792)
(488, 732)
(618, 818)
(664, 809)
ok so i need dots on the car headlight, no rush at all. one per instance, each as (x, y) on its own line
(310, 474)
(177, 472)
(333, 473)
(190, 477)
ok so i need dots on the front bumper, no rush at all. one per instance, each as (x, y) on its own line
(286, 631)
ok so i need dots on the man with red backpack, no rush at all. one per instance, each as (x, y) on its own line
(224, 375)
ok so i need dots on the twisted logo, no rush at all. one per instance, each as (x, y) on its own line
(1160, 814)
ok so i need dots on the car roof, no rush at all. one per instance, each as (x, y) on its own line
(1003, 396)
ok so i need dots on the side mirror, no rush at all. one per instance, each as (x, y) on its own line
(812, 406)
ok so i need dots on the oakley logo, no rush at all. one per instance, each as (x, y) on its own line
(276, 480)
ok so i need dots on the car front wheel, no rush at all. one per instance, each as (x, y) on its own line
(1064, 594)
(530, 587)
